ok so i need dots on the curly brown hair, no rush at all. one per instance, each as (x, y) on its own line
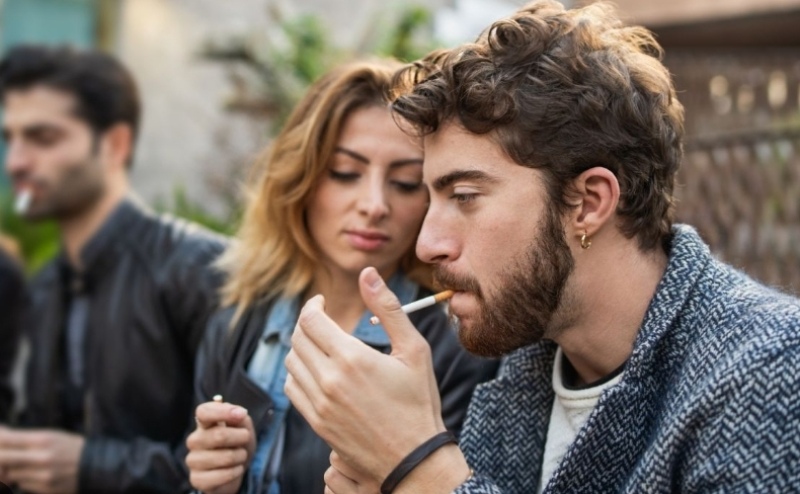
(563, 91)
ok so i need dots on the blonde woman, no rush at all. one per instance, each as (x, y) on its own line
(341, 189)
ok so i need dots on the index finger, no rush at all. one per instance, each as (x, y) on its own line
(10, 438)
(343, 468)
(20, 458)
(211, 413)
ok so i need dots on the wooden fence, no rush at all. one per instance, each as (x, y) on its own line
(742, 192)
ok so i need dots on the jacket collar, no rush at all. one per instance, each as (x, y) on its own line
(612, 442)
(104, 248)
(688, 258)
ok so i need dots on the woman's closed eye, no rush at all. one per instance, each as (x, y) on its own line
(406, 187)
(403, 185)
(344, 176)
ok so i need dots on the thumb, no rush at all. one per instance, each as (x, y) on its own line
(385, 305)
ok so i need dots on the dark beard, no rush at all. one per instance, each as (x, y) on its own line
(521, 312)
(79, 188)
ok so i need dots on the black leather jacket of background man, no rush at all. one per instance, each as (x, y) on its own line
(151, 289)
(13, 301)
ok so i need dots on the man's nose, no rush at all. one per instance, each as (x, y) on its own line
(17, 159)
(437, 241)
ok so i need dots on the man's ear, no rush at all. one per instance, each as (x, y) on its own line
(596, 195)
(117, 145)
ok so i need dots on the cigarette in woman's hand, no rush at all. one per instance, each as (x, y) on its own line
(420, 304)
(218, 399)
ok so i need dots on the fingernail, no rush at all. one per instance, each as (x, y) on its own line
(372, 278)
(239, 412)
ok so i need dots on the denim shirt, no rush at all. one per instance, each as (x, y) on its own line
(267, 369)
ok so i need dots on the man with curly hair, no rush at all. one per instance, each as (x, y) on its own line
(633, 360)
(116, 317)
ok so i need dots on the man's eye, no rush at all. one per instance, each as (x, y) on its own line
(344, 176)
(45, 139)
(463, 198)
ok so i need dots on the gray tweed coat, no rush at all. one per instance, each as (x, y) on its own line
(708, 401)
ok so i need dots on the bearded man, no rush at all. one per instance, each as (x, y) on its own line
(117, 317)
(633, 360)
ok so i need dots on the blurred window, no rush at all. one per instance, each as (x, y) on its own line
(45, 21)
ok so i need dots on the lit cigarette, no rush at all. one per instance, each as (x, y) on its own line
(218, 399)
(420, 304)
(23, 202)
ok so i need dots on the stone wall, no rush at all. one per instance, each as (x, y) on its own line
(186, 136)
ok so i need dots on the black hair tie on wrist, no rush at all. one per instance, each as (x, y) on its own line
(414, 458)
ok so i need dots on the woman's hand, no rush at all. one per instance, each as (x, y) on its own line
(220, 448)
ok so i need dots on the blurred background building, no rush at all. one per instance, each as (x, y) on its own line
(217, 77)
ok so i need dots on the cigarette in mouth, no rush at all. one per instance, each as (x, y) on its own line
(218, 399)
(420, 304)
(23, 201)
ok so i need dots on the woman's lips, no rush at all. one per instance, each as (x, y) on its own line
(366, 241)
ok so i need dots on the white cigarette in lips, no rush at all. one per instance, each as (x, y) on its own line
(419, 304)
(218, 399)
(23, 201)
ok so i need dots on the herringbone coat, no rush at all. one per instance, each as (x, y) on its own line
(708, 401)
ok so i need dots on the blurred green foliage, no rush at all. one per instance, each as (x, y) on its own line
(308, 47)
(402, 41)
(38, 242)
(184, 207)
(269, 75)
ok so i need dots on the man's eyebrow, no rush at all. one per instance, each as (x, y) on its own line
(454, 176)
(39, 128)
(32, 130)
(363, 159)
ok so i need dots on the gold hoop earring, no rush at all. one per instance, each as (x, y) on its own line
(585, 242)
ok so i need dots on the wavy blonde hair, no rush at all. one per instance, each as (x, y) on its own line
(274, 254)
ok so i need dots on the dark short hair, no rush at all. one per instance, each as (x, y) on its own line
(104, 90)
(563, 91)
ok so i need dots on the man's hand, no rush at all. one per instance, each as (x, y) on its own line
(341, 479)
(372, 409)
(220, 448)
(40, 461)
